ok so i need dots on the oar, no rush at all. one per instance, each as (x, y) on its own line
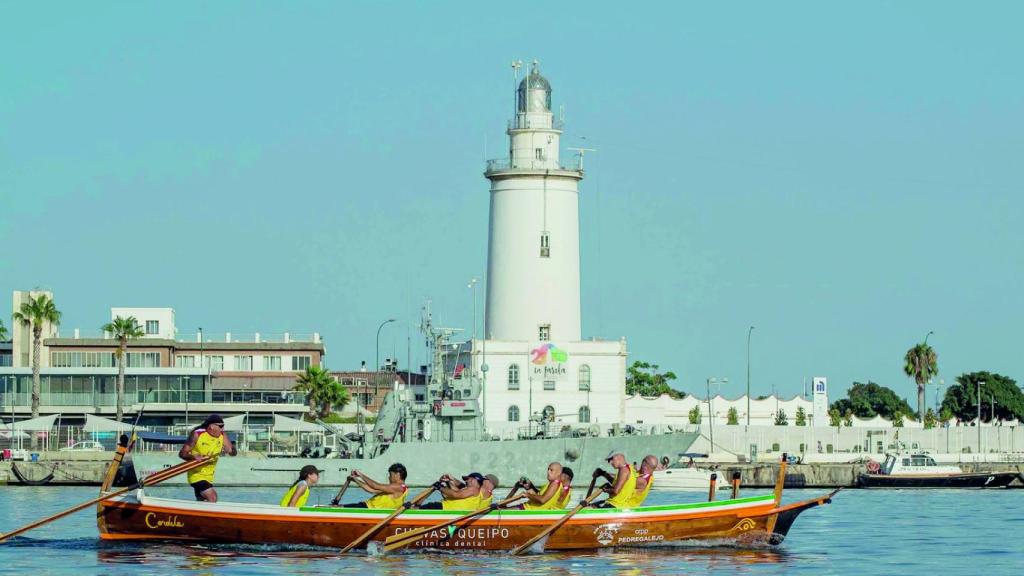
(405, 538)
(337, 497)
(154, 478)
(590, 498)
(405, 506)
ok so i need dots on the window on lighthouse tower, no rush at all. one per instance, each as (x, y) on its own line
(545, 246)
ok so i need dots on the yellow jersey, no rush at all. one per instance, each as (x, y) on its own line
(470, 503)
(484, 501)
(625, 496)
(385, 500)
(640, 495)
(210, 447)
(552, 502)
(563, 497)
(291, 492)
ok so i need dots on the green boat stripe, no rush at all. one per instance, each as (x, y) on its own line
(642, 509)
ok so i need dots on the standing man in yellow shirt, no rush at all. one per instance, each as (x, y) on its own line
(206, 442)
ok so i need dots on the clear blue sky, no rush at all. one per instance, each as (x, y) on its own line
(844, 177)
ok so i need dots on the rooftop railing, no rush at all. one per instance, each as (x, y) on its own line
(208, 337)
(532, 164)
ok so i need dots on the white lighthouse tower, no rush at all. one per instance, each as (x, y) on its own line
(533, 258)
(538, 374)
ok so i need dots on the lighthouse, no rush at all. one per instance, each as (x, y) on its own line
(539, 375)
(533, 254)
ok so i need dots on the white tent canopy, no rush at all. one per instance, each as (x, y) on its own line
(285, 424)
(235, 423)
(97, 424)
(40, 424)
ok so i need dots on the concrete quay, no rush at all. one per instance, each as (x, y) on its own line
(830, 475)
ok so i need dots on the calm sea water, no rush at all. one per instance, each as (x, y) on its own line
(861, 532)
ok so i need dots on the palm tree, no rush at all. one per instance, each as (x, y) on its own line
(3, 332)
(33, 314)
(922, 363)
(322, 391)
(124, 329)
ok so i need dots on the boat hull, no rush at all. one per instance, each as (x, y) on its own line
(981, 480)
(686, 479)
(755, 521)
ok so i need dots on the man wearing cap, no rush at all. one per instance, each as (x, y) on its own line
(206, 442)
(621, 488)
(389, 496)
(474, 493)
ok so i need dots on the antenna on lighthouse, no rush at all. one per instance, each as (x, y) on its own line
(516, 65)
(581, 152)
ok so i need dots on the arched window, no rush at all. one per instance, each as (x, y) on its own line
(513, 377)
(513, 413)
(548, 413)
(585, 378)
(584, 414)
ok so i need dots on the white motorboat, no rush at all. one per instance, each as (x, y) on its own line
(679, 479)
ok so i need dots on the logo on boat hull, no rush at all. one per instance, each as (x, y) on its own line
(169, 522)
(606, 533)
(744, 525)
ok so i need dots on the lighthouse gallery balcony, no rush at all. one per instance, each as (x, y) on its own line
(498, 165)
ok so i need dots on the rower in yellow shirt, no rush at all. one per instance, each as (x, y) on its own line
(620, 489)
(475, 492)
(297, 495)
(565, 493)
(546, 497)
(644, 481)
(391, 495)
(206, 442)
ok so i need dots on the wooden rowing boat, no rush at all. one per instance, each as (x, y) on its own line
(756, 520)
(137, 516)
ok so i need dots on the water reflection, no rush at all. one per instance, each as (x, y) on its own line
(647, 560)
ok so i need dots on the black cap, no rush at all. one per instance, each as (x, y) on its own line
(213, 419)
(478, 476)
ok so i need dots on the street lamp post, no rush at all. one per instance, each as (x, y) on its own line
(376, 368)
(749, 332)
(711, 410)
(979, 418)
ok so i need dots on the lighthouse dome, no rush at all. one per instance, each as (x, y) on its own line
(534, 93)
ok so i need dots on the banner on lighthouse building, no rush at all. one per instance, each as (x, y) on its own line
(549, 362)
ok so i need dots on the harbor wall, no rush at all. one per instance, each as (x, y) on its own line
(831, 475)
(843, 444)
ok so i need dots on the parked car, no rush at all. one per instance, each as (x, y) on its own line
(84, 446)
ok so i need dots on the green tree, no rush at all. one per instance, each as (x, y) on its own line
(961, 400)
(897, 420)
(643, 379)
(33, 314)
(801, 416)
(732, 417)
(323, 391)
(694, 415)
(780, 418)
(870, 400)
(848, 419)
(929, 419)
(922, 364)
(3, 332)
(123, 330)
(835, 417)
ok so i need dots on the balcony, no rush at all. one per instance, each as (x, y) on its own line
(525, 122)
(507, 164)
